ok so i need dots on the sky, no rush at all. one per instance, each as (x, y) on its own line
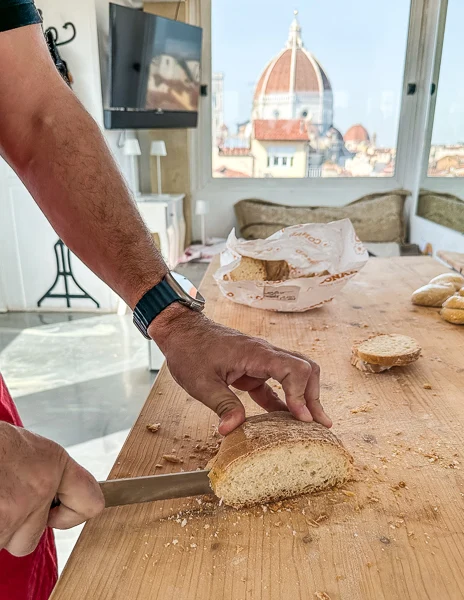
(361, 46)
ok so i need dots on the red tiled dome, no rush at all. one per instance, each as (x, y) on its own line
(356, 133)
(276, 77)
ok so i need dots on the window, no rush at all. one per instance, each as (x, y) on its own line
(339, 104)
(446, 158)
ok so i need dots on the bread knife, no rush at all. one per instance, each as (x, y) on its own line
(135, 490)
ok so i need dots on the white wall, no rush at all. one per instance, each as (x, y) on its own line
(425, 232)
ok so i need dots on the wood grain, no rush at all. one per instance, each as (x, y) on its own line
(454, 259)
(395, 533)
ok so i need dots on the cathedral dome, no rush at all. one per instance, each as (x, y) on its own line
(357, 134)
(293, 85)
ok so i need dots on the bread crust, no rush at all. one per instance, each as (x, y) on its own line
(453, 315)
(395, 359)
(269, 430)
(455, 278)
(456, 302)
(433, 294)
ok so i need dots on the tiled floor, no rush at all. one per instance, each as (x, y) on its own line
(79, 379)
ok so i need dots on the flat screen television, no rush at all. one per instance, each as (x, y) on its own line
(154, 73)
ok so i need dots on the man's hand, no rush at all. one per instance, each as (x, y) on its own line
(33, 470)
(206, 358)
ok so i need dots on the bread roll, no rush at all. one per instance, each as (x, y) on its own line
(454, 302)
(249, 269)
(461, 292)
(433, 294)
(455, 278)
(387, 350)
(274, 456)
(453, 315)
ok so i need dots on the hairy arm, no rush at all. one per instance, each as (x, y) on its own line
(59, 153)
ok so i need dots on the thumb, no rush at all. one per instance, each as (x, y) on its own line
(228, 407)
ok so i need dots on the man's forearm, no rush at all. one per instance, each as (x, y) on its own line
(60, 154)
(75, 181)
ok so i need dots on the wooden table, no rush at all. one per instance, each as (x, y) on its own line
(395, 533)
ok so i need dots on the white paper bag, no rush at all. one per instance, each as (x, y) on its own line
(309, 250)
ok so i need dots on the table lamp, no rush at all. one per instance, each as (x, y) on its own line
(132, 148)
(201, 210)
(158, 149)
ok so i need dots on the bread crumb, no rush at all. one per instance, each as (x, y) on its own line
(158, 466)
(322, 596)
(364, 408)
(172, 459)
(427, 386)
(348, 493)
(153, 427)
(175, 542)
(183, 523)
(307, 539)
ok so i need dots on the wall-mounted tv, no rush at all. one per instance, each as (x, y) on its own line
(154, 71)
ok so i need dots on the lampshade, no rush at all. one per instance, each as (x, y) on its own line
(201, 207)
(132, 147)
(158, 148)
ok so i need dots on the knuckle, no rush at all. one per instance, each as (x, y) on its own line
(315, 368)
(225, 406)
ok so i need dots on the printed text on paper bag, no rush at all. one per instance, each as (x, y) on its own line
(284, 294)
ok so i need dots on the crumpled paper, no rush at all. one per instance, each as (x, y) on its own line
(310, 250)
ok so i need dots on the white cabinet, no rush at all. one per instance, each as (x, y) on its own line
(164, 215)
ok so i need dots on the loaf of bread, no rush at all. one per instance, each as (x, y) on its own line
(455, 278)
(276, 270)
(249, 269)
(453, 310)
(461, 292)
(274, 456)
(433, 294)
(385, 350)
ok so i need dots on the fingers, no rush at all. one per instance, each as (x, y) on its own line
(261, 393)
(293, 373)
(312, 393)
(27, 537)
(80, 496)
(226, 405)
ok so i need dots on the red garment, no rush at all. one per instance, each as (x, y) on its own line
(30, 577)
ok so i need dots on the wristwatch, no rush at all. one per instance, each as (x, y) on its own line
(173, 288)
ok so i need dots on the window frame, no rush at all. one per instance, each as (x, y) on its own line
(419, 64)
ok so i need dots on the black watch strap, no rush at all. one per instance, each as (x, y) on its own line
(151, 304)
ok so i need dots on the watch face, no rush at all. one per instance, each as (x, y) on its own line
(195, 300)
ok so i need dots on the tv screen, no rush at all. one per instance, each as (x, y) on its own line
(154, 69)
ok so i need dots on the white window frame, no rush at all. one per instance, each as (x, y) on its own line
(422, 53)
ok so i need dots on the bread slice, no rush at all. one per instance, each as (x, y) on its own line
(274, 456)
(388, 350)
(455, 278)
(365, 366)
(249, 269)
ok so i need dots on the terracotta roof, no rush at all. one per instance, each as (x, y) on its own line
(356, 133)
(305, 74)
(234, 151)
(226, 172)
(280, 130)
(275, 79)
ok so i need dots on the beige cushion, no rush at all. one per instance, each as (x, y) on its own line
(444, 209)
(376, 218)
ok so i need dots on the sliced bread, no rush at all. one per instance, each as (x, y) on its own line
(274, 456)
(388, 350)
(249, 269)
